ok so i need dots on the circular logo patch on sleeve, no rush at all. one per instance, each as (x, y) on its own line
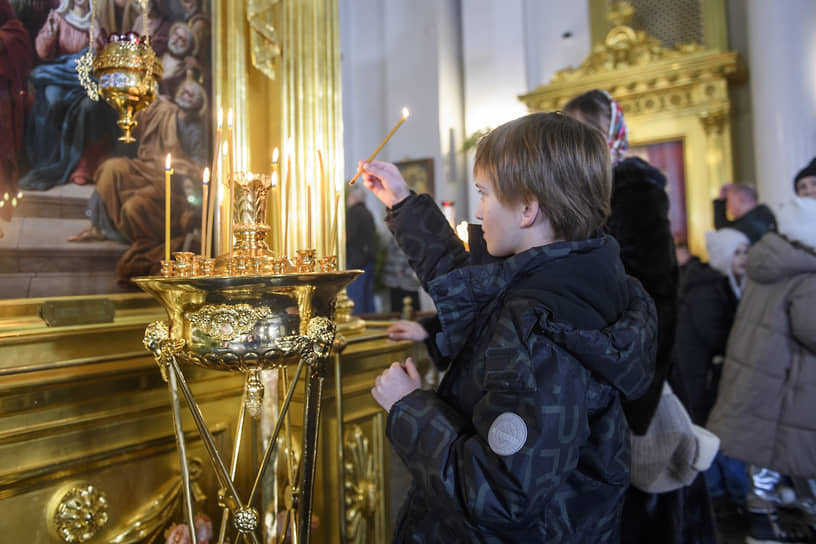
(507, 434)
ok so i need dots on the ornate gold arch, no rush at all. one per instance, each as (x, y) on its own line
(666, 95)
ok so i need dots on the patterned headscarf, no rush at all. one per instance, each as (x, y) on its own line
(618, 136)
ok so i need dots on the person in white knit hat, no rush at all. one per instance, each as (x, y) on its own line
(707, 302)
(767, 395)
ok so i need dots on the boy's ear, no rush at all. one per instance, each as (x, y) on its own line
(529, 213)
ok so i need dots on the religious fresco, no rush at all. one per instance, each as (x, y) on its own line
(54, 137)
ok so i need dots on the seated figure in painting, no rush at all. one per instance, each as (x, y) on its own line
(15, 63)
(128, 203)
(179, 61)
(67, 134)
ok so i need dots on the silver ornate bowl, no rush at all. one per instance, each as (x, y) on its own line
(247, 323)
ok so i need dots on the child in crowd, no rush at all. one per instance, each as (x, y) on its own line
(708, 299)
(525, 439)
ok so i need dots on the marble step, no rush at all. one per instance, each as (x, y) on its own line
(57, 284)
(39, 245)
(65, 202)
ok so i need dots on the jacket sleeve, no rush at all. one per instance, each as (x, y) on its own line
(433, 327)
(453, 459)
(803, 326)
(423, 233)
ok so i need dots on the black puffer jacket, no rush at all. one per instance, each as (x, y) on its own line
(551, 339)
(705, 313)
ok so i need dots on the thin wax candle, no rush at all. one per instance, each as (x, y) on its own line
(405, 114)
(168, 174)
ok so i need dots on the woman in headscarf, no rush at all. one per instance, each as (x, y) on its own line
(640, 223)
(68, 135)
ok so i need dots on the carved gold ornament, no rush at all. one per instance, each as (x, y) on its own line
(362, 485)
(225, 322)
(263, 35)
(81, 512)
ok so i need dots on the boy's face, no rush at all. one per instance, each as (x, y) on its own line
(501, 223)
(739, 260)
(806, 187)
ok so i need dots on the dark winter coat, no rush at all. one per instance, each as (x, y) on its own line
(753, 224)
(555, 335)
(640, 223)
(361, 237)
(705, 313)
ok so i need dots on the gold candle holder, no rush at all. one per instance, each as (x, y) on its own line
(258, 265)
(183, 265)
(195, 265)
(328, 263)
(241, 267)
(207, 266)
(167, 268)
(306, 260)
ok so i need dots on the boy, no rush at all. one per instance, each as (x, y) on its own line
(525, 440)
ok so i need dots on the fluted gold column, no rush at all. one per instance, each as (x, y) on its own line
(312, 115)
(298, 97)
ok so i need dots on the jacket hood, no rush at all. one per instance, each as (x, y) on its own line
(721, 245)
(622, 353)
(796, 219)
(775, 258)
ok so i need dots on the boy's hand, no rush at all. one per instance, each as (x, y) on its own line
(385, 181)
(395, 383)
(407, 330)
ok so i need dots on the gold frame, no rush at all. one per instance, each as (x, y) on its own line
(419, 174)
(666, 94)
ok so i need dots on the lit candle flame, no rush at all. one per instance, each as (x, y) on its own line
(206, 176)
(405, 113)
(224, 148)
(274, 179)
(229, 118)
(275, 154)
(167, 162)
(462, 231)
(290, 147)
(220, 117)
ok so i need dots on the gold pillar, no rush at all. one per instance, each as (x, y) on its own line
(298, 99)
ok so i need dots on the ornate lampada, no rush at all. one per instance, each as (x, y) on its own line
(128, 70)
(250, 318)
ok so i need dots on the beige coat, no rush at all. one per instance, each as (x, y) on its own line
(766, 408)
